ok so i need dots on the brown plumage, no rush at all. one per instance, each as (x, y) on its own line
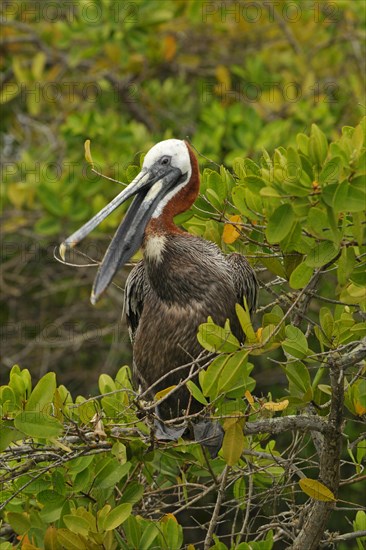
(164, 311)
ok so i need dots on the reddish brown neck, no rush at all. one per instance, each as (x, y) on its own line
(179, 203)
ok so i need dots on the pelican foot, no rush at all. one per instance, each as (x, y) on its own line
(165, 432)
(210, 434)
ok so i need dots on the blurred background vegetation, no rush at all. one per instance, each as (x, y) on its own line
(234, 77)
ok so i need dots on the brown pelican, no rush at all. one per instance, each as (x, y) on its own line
(181, 281)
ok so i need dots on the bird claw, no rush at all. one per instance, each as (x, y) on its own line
(206, 432)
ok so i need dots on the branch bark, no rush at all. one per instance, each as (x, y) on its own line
(301, 423)
(317, 515)
(216, 512)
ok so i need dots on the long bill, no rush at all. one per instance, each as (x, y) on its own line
(134, 187)
(149, 189)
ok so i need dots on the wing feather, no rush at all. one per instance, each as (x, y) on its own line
(135, 292)
(245, 280)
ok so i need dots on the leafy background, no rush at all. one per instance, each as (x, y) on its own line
(235, 78)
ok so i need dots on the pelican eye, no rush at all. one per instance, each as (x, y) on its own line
(165, 160)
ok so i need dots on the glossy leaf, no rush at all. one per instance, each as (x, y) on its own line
(41, 397)
(301, 276)
(299, 378)
(19, 522)
(321, 254)
(295, 344)
(117, 516)
(280, 223)
(233, 443)
(109, 472)
(76, 524)
(38, 424)
(316, 490)
(232, 370)
(196, 392)
(318, 145)
(217, 339)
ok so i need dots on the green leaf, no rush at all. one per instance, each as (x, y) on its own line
(293, 165)
(318, 145)
(217, 339)
(273, 265)
(19, 522)
(148, 536)
(317, 222)
(280, 223)
(295, 344)
(251, 167)
(70, 541)
(53, 503)
(300, 276)
(132, 528)
(209, 382)
(246, 323)
(233, 443)
(117, 516)
(8, 400)
(335, 195)
(290, 261)
(359, 524)
(321, 254)
(109, 472)
(41, 397)
(302, 141)
(326, 321)
(269, 192)
(133, 493)
(232, 371)
(239, 196)
(106, 383)
(331, 170)
(214, 198)
(345, 196)
(171, 536)
(298, 376)
(254, 183)
(196, 392)
(217, 184)
(38, 424)
(8, 434)
(358, 229)
(79, 464)
(17, 384)
(356, 195)
(77, 524)
(82, 480)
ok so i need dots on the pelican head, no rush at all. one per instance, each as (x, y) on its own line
(167, 168)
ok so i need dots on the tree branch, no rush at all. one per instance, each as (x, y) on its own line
(215, 515)
(317, 516)
(301, 423)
